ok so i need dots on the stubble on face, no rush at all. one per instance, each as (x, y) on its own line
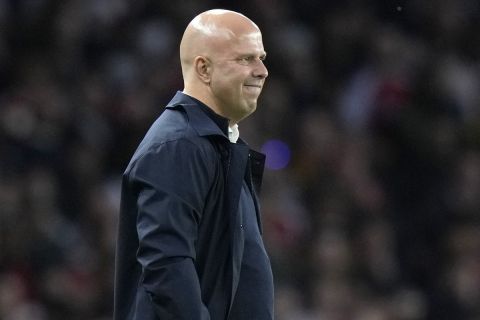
(239, 75)
(226, 40)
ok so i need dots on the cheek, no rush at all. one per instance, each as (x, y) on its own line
(229, 83)
(229, 80)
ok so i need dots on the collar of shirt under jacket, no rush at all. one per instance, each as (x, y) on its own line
(233, 133)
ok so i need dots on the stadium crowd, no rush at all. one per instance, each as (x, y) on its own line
(373, 212)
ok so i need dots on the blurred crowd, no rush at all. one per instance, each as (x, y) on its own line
(376, 214)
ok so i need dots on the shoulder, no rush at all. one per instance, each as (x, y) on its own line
(172, 141)
(174, 158)
(172, 125)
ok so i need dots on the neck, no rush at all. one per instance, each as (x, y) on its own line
(207, 100)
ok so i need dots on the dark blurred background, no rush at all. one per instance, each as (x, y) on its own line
(370, 119)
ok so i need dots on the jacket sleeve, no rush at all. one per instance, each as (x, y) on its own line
(172, 181)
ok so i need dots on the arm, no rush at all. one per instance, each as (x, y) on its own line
(172, 182)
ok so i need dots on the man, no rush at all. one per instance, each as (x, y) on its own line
(189, 242)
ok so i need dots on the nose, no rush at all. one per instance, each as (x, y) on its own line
(260, 70)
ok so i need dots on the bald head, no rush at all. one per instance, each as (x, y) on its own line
(222, 54)
(208, 32)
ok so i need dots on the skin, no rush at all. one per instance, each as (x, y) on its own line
(222, 57)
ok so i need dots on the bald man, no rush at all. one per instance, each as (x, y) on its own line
(189, 236)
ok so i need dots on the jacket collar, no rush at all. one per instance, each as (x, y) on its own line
(203, 119)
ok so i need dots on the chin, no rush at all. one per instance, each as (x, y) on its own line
(250, 108)
(246, 112)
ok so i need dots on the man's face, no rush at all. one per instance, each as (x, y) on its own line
(238, 75)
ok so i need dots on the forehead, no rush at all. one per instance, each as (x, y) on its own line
(245, 43)
(253, 38)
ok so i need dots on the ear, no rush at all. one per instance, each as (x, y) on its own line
(203, 69)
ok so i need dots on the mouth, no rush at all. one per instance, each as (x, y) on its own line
(253, 86)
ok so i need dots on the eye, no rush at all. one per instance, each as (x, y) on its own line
(247, 59)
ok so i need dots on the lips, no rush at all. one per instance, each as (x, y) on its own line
(254, 85)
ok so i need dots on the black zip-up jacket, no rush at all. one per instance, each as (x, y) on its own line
(180, 241)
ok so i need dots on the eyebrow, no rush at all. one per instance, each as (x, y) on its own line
(249, 54)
